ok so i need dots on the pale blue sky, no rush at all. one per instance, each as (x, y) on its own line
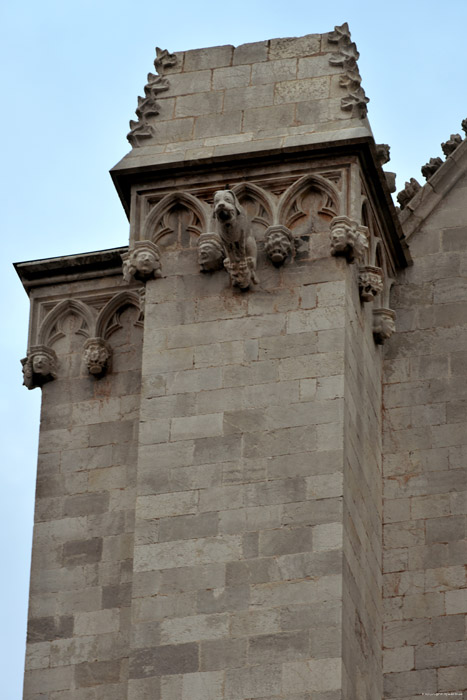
(72, 71)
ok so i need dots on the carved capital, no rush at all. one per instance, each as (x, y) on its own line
(39, 367)
(233, 229)
(383, 324)
(97, 354)
(348, 238)
(278, 244)
(142, 262)
(211, 252)
(370, 282)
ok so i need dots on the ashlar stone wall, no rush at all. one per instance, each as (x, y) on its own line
(425, 474)
(82, 561)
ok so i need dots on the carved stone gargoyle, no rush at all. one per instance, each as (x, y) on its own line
(431, 167)
(234, 232)
(383, 324)
(370, 282)
(142, 261)
(278, 244)
(211, 253)
(97, 354)
(348, 238)
(39, 367)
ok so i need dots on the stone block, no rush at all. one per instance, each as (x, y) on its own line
(96, 622)
(452, 679)
(445, 529)
(188, 527)
(164, 660)
(194, 628)
(208, 425)
(252, 682)
(406, 632)
(285, 541)
(86, 504)
(200, 103)
(222, 654)
(97, 673)
(212, 57)
(259, 119)
(279, 648)
(301, 90)
(456, 602)
(218, 124)
(254, 96)
(441, 654)
(209, 550)
(327, 537)
(406, 683)
(80, 552)
(231, 77)
(315, 675)
(44, 629)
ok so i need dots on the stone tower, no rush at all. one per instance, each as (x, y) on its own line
(209, 511)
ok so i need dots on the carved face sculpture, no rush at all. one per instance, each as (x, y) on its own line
(210, 254)
(145, 261)
(277, 246)
(226, 207)
(41, 364)
(340, 236)
(383, 324)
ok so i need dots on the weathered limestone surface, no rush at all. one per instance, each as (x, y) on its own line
(81, 577)
(209, 505)
(425, 429)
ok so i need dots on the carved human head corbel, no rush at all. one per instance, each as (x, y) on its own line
(278, 244)
(384, 324)
(370, 282)
(142, 261)
(211, 253)
(348, 239)
(97, 354)
(39, 367)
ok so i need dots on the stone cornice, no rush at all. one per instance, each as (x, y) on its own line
(69, 268)
(438, 186)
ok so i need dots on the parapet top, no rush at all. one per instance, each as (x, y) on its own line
(278, 90)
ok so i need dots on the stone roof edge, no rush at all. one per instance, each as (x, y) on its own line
(70, 268)
(434, 190)
(131, 165)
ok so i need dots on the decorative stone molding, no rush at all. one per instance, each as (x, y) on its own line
(97, 354)
(383, 324)
(347, 56)
(39, 367)
(451, 144)
(370, 282)
(278, 244)
(348, 239)
(410, 190)
(234, 232)
(148, 106)
(142, 262)
(431, 167)
(164, 60)
(211, 253)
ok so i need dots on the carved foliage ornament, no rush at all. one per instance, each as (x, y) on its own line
(410, 190)
(39, 367)
(431, 167)
(142, 262)
(346, 55)
(348, 239)
(97, 354)
(451, 144)
(233, 229)
(148, 105)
